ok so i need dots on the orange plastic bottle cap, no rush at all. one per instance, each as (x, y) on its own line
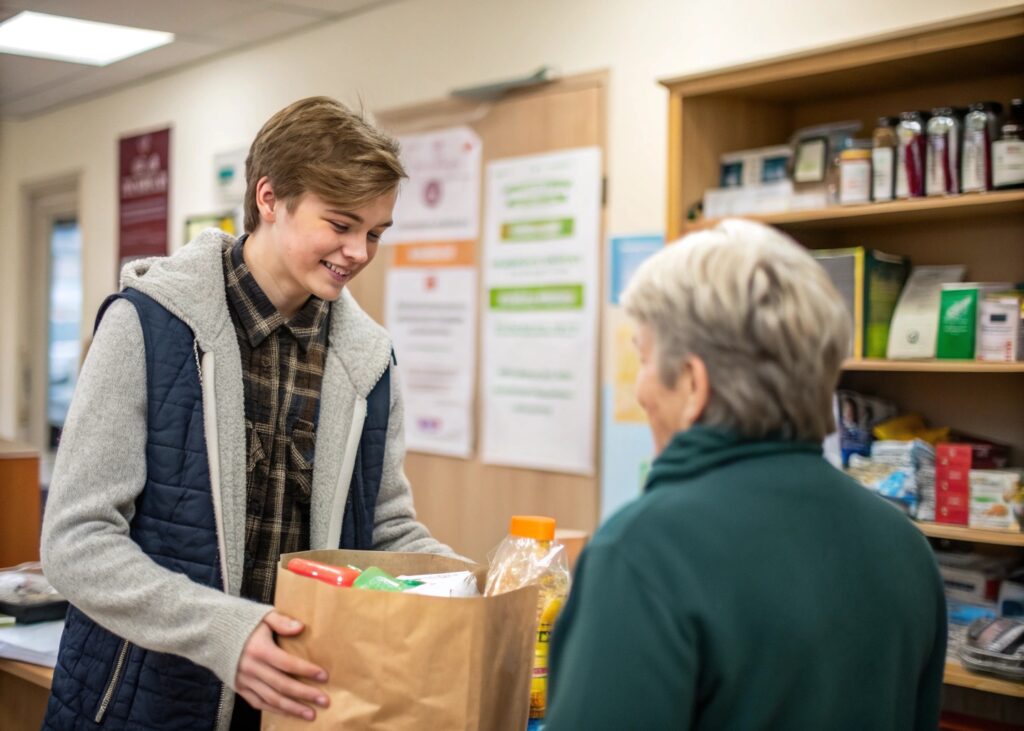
(533, 526)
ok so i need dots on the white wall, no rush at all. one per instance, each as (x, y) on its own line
(402, 53)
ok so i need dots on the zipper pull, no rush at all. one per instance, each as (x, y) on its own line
(195, 352)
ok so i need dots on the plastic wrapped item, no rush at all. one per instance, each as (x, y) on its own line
(26, 595)
(908, 427)
(458, 584)
(896, 484)
(529, 555)
(995, 646)
(858, 414)
(333, 575)
(892, 471)
(377, 579)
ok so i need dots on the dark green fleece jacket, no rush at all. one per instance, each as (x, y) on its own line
(751, 586)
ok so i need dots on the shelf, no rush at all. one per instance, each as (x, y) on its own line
(930, 366)
(895, 212)
(961, 49)
(975, 535)
(957, 674)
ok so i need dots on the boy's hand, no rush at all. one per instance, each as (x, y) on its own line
(266, 675)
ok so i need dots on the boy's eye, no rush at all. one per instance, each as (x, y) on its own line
(374, 236)
(339, 227)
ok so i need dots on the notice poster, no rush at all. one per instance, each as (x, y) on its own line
(626, 254)
(441, 199)
(431, 314)
(541, 264)
(627, 447)
(144, 185)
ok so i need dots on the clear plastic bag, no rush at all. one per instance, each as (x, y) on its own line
(530, 555)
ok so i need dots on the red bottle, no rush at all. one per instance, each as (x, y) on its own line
(333, 575)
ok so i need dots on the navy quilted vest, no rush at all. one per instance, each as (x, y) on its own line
(104, 681)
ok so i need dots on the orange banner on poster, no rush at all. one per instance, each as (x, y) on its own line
(436, 254)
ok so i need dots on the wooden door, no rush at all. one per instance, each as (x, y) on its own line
(465, 503)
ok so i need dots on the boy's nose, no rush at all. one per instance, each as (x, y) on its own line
(356, 252)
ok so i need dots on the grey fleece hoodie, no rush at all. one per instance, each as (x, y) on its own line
(100, 470)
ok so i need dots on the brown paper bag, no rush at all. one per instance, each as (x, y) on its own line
(407, 662)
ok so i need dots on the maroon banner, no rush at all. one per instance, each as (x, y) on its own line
(144, 183)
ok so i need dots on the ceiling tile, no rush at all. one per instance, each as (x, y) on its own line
(107, 78)
(19, 75)
(259, 26)
(327, 7)
(183, 17)
(203, 27)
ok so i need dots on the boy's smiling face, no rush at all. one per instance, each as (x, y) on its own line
(320, 247)
(325, 246)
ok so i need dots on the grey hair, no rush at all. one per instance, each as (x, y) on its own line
(763, 316)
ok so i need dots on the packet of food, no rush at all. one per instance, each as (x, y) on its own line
(457, 584)
(333, 575)
(377, 579)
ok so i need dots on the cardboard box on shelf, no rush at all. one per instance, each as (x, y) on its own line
(952, 485)
(993, 495)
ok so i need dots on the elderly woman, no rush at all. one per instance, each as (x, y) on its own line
(752, 585)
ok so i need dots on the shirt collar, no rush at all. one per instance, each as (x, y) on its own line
(258, 315)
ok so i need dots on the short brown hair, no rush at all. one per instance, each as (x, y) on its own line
(318, 145)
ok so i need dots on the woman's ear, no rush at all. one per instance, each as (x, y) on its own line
(694, 378)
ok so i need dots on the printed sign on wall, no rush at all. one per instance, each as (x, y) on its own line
(144, 184)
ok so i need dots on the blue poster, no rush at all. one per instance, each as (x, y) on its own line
(628, 253)
(627, 445)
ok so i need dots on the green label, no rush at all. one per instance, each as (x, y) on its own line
(541, 230)
(554, 297)
(957, 323)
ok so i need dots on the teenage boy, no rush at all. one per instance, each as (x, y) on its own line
(236, 404)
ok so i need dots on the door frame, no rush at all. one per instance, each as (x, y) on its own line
(44, 203)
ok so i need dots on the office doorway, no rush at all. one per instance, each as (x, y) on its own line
(64, 326)
(51, 336)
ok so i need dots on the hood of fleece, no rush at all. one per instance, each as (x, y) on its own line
(190, 285)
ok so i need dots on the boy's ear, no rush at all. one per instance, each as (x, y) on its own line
(266, 201)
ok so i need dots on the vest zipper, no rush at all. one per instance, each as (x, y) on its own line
(115, 680)
(220, 706)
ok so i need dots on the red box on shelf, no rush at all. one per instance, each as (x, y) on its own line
(952, 484)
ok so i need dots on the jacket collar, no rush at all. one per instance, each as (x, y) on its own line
(190, 285)
(700, 449)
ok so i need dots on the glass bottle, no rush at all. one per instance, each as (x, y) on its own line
(1008, 158)
(883, 159)
(910, 154)
(942, 167)
(981, 128)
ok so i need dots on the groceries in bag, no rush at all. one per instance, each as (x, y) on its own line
(530, 555)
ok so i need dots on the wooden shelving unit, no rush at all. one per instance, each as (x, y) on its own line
(957, 674)
(930, 366)
(950, 64)
(972, 535)
(994, 203)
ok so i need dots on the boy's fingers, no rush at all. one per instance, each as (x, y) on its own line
(288, 687)
(288, 663)
(283, 624)
(252, 699)
(274, 701)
